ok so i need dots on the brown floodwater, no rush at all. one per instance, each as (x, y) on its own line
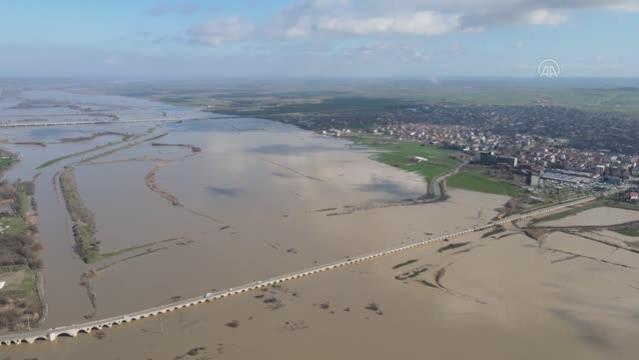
(259, 200)
(600, 216)
(262, 199)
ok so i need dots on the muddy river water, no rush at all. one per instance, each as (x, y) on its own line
(245, 199)
(260, 199)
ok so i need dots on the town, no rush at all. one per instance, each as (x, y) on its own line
(544, 160)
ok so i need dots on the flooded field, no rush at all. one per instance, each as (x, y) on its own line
(183, 208)
(256, 200)
(599, 216)
(499, 298)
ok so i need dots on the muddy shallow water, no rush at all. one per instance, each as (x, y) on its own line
(260, 199)
(600, 216)
(497, 299)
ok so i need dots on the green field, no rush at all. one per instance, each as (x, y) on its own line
(23, 200)
(475, 182)
(20, 280)
(370, 96)
(16, 225)
(632, 230)
(397, 153)
(6, 163)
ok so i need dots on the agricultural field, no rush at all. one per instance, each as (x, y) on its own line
(480, 183)
(398, 153)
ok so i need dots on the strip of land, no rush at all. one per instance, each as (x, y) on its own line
(86, 245)
(21, 304)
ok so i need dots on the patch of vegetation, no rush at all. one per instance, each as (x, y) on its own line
(6, 160)
(496, 230)
(79, 153)
(411, 273)
(480, 183)
(86, 245)
(452, 246)
(233, 324)
(24, 190)
(398, 153)
(13, 225)
(103, 154)
(632, 231)
(407, 262)
(20, 303)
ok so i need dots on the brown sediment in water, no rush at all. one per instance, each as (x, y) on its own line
(412, 273)
(193, 148)
(444, 315)
(452, 246)
(439, 275)
(89, 276)
(407, 262)
(35, 143)
(151, 183)
(85, 282)
(124, 136)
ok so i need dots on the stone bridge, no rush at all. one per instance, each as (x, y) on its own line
(86, 327)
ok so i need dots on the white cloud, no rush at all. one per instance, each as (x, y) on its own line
(219, 31)
(420, 23)
(332, 18)
(627, 5)
(430, 17)
(544, 17)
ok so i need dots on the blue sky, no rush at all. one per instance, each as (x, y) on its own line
(331, 38)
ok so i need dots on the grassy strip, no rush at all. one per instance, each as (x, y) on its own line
(86, 245)
(16, 225)
(632, 231)
(398, 153)
(480, 183)
(6, 163)
(58, 159)
(24, 287)
(126, 146)
(103, 154)
(23, 200)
